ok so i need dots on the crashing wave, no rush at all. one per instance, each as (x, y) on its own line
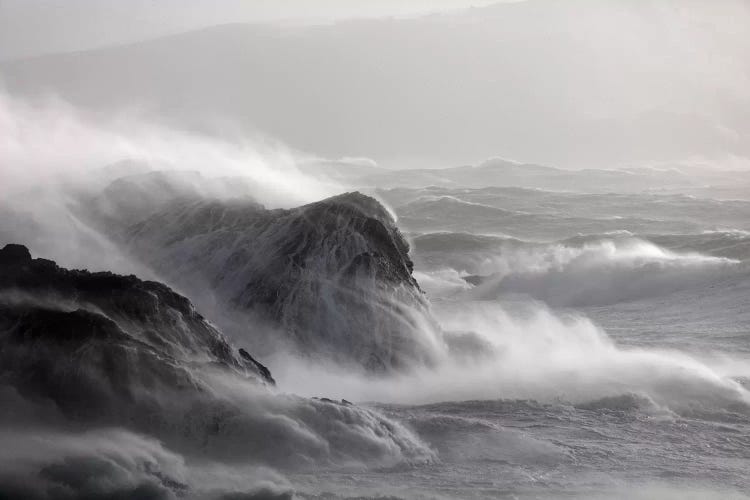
(84, 349)
(581, 271)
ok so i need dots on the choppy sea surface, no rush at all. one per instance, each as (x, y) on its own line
(616, 329)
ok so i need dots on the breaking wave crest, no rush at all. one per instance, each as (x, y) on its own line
(586, 271)
(523, 351)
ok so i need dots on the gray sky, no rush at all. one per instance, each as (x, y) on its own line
(571, 83)
(32, 27)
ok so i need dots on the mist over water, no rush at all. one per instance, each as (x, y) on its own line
(520, 346)
(56, 155)
(511, 332)
(48, 140)
(512, 336)
(493, 329)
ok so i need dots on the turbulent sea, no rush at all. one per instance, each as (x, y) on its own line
(559, 334)
(240, 258)
(617, 339)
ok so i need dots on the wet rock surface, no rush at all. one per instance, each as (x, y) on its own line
(332, 278)
(101, 345)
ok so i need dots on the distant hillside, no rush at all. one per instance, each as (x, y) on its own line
(575, 83)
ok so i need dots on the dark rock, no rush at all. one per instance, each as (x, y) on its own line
(265, 372)
(334, 276)
(98, 344)
(14, 255)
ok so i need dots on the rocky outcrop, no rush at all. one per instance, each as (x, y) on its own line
(82, 351)
(99, 344)
(334, 277)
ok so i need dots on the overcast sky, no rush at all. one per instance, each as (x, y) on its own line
(570, 83)
(32, 27)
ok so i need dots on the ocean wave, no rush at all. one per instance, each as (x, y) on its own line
(447, 241)
(432, 205)
(729, 243)
(533, 353)
(586, 270)
(107, 463)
